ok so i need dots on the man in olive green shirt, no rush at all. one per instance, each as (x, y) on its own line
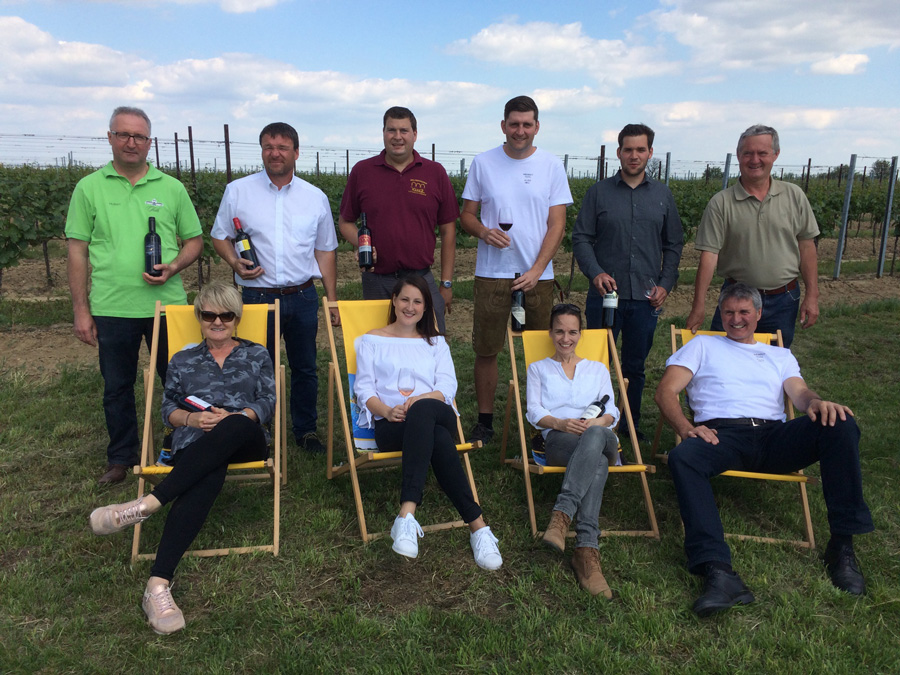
(761, 232)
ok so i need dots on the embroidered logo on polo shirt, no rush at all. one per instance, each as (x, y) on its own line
(153, 203)
(417, 187)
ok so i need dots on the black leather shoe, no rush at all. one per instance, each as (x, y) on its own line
(311, 444)
(843, 568)
(115, 473)
(721, 590)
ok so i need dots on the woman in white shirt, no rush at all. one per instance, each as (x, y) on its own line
(559, 389)
(421, 421)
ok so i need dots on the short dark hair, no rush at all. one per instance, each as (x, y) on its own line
(280, 129)
(636, 130)
(399, 113)
(520, 104)
(427, 325)
(741, 291)
(565, 309)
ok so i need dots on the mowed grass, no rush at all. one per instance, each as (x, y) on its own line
(70, 601)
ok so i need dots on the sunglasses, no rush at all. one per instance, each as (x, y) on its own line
(210, 317)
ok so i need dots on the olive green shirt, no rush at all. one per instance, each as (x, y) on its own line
(757, 242)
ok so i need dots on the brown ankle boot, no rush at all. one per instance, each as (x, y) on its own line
(555, 534)
(586, 563)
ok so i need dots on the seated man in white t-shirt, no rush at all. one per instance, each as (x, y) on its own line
(736, 389)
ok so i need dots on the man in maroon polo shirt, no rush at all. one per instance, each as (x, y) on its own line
(406, 198)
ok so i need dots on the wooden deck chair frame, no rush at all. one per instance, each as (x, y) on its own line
(357, 318)
(182, 329)
(598, 345)
(798, 478)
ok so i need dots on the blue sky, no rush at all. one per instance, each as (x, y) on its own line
(826, 74)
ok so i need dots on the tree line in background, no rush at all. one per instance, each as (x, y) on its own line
(34, 202)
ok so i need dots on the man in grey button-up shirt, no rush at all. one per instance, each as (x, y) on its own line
(628, 237)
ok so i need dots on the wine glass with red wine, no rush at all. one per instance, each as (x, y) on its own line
(506, 222)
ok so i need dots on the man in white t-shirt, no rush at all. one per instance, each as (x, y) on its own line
(529, 188)
(736, 389)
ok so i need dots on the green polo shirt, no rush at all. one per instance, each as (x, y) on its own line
(757, 242)
(112, 216)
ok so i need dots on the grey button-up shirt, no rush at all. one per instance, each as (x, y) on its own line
(631, 234)
(246, 380)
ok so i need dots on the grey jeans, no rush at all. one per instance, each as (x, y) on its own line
(587, 459)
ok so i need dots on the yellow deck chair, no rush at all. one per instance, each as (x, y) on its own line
(183, 331)
(597, 345)
(357, 318)
(684, 336)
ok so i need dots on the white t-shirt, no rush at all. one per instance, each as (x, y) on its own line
(529, 187)
(549, 391)
(286, 227)
(378, 363)
(734, 379)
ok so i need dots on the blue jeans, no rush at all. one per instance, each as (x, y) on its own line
(637, 322)
(771, 448)
(119, 341)
(778, 311)
(587, 459)
(299, 325)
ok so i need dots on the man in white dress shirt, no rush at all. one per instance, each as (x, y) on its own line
(292, 231)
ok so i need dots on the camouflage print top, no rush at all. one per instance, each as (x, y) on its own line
(247, 380)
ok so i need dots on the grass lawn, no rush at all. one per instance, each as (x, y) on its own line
(70, 601)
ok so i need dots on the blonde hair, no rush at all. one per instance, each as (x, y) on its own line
(222, 295)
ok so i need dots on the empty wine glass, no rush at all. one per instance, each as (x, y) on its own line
(506, 222)
(649, 288)
(405, 382)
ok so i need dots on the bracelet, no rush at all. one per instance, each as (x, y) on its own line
(187, 420)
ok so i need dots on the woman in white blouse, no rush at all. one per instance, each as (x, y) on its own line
(559, 389)
(421, 421)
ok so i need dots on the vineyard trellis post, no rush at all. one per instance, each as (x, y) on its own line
(887, 219)
(845, 212)
(177, 159)
(808, 170)
(227, 157)
(726, 171)
(668, 160)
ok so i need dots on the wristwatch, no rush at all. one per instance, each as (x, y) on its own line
(446, 284)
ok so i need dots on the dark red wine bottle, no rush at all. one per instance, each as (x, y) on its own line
(243, 246)
(595, 409)
(152, 250)
(518, 309)
(610, 305)
(366, 261)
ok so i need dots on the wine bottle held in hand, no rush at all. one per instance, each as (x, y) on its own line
(595, 409)
(152, 250)
(517, 322)
(506, 222)
(610, 305)
(364, 234)
(243, 246)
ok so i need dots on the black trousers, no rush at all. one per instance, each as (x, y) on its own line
(196, 481)
(428, 436)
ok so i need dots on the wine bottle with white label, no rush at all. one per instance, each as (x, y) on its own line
(518, 309)
(243, 246)
(595, 409)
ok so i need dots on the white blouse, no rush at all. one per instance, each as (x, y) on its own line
(551, 392)
(378, 363)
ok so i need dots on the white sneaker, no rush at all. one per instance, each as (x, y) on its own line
(484, 546)
(405, 533)
(162, 612)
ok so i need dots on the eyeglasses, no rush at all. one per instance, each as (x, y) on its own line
(210, 317)
(566, 307)
(122, 137)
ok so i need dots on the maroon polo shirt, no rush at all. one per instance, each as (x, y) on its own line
(402, 209)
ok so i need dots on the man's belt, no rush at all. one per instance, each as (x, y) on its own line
(717, 422)
(791, 285)
(399, 274)
(284, 290)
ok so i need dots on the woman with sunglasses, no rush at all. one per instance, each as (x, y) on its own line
(559, 390)
(236, 379)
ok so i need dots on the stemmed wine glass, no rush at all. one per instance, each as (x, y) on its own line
(649, 288)
(406, 383)
(506, 222)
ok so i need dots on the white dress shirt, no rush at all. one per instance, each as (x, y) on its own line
(286, 227)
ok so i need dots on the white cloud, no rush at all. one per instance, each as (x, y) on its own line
(845, 64)
(768, 34)
(569, 101)
(563, 47)
(229, 6)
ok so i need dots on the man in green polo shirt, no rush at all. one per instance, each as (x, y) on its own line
(105, 229)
